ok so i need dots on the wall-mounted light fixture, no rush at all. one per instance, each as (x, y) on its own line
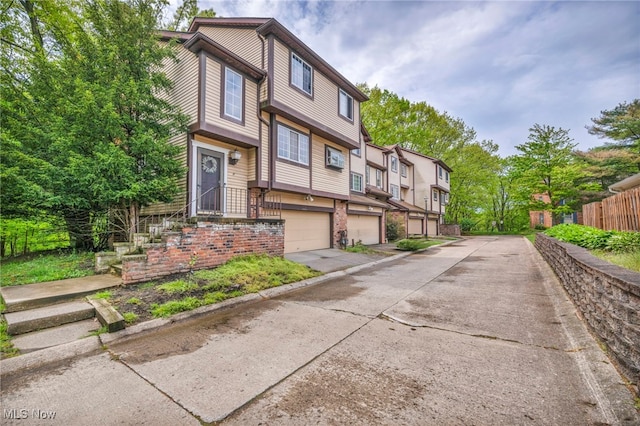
(308, 197)
(234, 157)
(370, 208)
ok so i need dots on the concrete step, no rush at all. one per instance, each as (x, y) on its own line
(48, 316)
(116, 270)
(30, 296)
(55, 336)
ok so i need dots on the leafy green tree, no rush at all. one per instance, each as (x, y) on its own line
(605, 166)
(621, 124)
(546, 165)
(185, 13)
(86, 105)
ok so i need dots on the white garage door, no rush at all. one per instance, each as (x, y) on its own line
(306, 231)
(415, 227)
(363, 228)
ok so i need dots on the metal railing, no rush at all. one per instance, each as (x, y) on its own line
(216, 202)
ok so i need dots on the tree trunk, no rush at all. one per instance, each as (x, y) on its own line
(80, 229)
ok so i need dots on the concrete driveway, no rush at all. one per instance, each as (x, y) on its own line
(478, 332)
(329, 260)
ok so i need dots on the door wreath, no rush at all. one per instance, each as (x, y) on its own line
(209, 164)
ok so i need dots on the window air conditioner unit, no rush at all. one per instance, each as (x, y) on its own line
(335, 159)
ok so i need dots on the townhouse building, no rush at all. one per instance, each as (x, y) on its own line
(275, 131)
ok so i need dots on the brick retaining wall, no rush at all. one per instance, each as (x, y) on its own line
(607, 295)
(204, 245)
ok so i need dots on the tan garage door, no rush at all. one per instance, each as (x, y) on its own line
(363, 228)
(415, 227)
(306, 231)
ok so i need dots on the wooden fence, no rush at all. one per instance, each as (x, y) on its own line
(620, 212)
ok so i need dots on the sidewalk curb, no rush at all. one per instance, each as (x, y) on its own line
(94, 344)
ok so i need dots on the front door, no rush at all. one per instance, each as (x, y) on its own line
(210, 183)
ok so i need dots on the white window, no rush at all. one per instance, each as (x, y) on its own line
(356, 182)
(440, 171)
(394, 164)
(403, 170)
(233, 94)
(335, 158)
(395, 192)
(443, 198)
(367, 174)
(292, 145)
(301, 74)
(435, 195)
(379, 178)
(446, 176)
(345, 105)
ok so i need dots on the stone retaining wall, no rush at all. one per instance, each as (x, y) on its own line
(607, 295)
(204, 245)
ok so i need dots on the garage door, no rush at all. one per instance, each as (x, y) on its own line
(306, 231)
(415, 227)
(363, 228)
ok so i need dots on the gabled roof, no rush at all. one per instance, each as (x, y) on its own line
(267, 26)
(200, 41)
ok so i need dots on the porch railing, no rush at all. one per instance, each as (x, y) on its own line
(215, 202)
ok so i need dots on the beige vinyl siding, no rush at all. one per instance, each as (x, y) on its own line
(214, 102)
(324, 178)
(358, 164)
(292, 174)
(375, 154)
(184, 75)
(298, 199)
(180, 200)
(425, 176)
(241, 41)
(361, 208)
(324, 105)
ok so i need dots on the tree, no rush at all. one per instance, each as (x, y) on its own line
(87, 105)
(621, 124)
(185, 13)
(391, 119)
(605, 166)
(546, 165)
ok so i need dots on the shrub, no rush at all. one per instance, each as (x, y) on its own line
(395, 228)
(466, 225)
(624, 242)
(409, 245)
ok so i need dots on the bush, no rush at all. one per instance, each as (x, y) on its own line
(395, 228)
(466, 225)
(596, 239)
(409, 245)
(624, 242)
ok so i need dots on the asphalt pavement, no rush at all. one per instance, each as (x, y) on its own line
(478, 332)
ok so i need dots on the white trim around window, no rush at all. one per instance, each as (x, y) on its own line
(356, 182)
(345, 105)
(292, 145)
(233, 94)
(395, 191)
(394, 164)
(301, 74)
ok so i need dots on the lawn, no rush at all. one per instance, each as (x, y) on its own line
(185, 292)
(45, 267)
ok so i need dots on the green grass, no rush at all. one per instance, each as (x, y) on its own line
(177, 287)
(107, 295)
(629, 260)
(6, 347)
(413, 244)
(130, 317)
(254, 273)
(360, 248)
(175, 306)
(49, 267)
(134, 301)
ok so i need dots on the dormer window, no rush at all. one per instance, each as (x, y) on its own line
(301, 74)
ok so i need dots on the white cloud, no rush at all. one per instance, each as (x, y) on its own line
(499, 66)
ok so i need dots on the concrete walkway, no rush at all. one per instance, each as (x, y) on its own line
(477, 332)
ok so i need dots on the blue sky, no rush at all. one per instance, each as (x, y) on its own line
(500, 66)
